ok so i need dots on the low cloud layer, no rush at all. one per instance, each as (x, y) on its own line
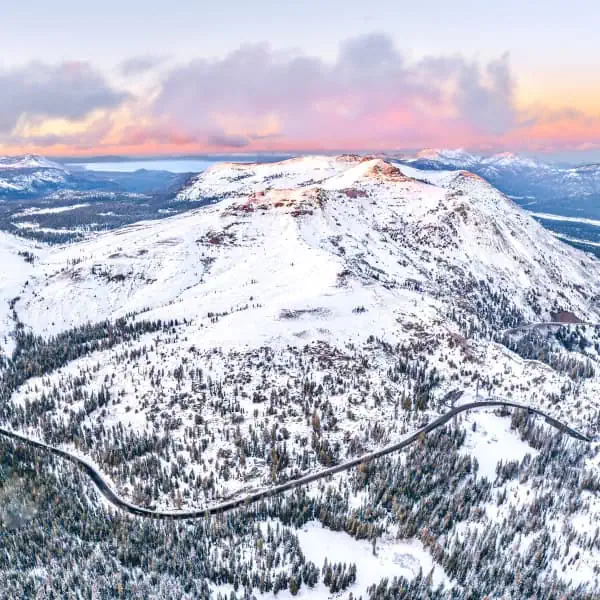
(370, 96)
(70, 90)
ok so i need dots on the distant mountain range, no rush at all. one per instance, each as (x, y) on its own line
(23, 176)
(538, 186)
(31, 177)
(29, 161)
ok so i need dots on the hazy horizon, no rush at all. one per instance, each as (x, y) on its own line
(566, 157)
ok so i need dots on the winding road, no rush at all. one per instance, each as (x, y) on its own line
(114, 499)
(542, 324)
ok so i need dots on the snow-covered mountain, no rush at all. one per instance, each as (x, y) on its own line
(343, 249)
(357, 229)
(457, 158)
(318, 308)
(27, 175)
(29, 161)
(235, 179)
(461, 159)
(32, 177)
(541, 186)
(320, 249)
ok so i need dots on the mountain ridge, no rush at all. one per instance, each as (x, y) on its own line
(422, 221)
(527, 179)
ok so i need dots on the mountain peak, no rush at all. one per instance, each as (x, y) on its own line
(511, 159)
(29, 161)
(458, 157)
(461, 159)
(235, 180)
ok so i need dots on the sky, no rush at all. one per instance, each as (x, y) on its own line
(150, 78)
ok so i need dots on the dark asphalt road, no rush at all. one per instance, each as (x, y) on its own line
(118, 502)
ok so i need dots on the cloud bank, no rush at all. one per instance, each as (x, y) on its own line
(370, 96)
(70, 90)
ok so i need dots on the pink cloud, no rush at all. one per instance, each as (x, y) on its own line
(370, 94)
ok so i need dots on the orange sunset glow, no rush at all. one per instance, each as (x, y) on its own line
(254, 99)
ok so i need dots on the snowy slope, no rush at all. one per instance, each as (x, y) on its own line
(15, 271)
(366, 234)
(231, 179)
(318, 308)
(369, 251)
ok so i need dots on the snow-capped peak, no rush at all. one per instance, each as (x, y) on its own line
(29, 161)
(510, 156)
(461, 159)
(510, 159)
(457, 157)
(30, 174)
(235, 179)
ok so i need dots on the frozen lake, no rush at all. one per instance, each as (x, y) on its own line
(174, 165)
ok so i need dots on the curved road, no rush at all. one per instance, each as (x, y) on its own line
(112, 497)
(542, 324)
